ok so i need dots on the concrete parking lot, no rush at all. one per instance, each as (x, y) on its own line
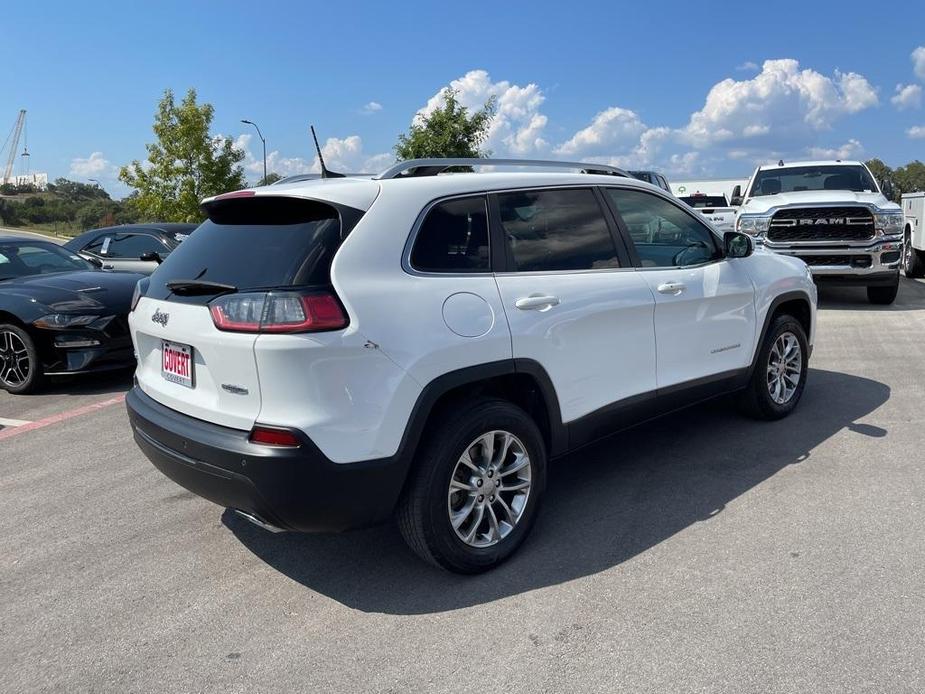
(705, 552)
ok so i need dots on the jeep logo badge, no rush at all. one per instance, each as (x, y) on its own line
(161, 318)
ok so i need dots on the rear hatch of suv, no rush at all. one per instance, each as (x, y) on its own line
(259, 264)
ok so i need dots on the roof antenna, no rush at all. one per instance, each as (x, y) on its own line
(324, 170)
(780, 163)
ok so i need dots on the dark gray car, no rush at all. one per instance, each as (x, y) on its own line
(130, 247)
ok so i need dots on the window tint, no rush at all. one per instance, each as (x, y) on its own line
(96, 248)
(453, 238)
(664, 234)
(132, 246)
(556, 230)
(257, 243)
(23, 259)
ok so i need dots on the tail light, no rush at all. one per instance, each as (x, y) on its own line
(278, 312)
(274, 437)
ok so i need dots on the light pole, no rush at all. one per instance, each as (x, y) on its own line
(260, 135)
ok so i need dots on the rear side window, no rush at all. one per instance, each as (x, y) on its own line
(560, 229)
(133, 246)
(453, 238)
(257, 243)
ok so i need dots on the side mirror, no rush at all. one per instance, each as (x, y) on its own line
(152, 256)
(738, 245)
(886, 187)
(95, 262)
(736, 199)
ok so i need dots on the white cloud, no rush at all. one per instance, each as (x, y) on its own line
(94, 166)
(916, 132)
(371, 108)
(343, 155)
(517, 129)
(612, 130)
(747, 66)
(852, 149)
(918, 62)
(907, 96)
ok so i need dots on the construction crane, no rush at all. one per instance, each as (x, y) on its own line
(15, 134)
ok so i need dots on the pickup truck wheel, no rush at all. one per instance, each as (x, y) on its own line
(883, 295)
(20, 368)
(476, 487)
(913, 262)
(779, 376)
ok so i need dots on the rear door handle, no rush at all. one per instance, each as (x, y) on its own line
(536, 302)
(671, 288)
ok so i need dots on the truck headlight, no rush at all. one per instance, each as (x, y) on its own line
(753, 225)
(889, 223)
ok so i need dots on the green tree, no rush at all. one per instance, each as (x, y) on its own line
(882, 173)
(911, 177)
(185, 165)
(271, 178)
(448, 131)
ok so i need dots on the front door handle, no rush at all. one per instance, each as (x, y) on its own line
(536, 302)
(674, 288)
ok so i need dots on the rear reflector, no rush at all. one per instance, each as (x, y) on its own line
(274, 437)
(277, 312)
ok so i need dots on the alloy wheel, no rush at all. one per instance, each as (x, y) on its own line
(15, 366)
(785, 368)
(489, 489)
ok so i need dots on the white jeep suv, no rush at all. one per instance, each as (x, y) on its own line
(331, 353)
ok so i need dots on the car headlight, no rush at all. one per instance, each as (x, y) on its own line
(57, 321)
(753, 225)
(889, 223)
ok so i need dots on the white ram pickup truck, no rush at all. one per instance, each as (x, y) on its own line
(714, 208)
(833, 216)
(913, 205)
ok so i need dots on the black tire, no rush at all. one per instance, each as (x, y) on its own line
(423, 511)
(883, 296)
(757, 400)
(913, 261)
(31, 369)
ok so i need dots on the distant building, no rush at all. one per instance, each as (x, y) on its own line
(39, 180)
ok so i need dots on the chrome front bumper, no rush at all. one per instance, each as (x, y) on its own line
(852, 258)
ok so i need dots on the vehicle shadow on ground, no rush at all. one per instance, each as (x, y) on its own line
(102, 383)
(604, 505)
(911, 297)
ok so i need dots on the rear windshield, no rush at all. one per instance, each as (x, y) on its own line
(705, 200)
(256, 243)
(799, 178)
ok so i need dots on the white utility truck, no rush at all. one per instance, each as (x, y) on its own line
(833, 216)
(913, 205)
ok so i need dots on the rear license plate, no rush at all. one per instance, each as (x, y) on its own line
(177, 363)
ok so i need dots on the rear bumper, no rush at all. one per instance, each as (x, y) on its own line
(290, 488)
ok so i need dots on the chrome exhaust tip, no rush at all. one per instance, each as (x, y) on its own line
(259, 522)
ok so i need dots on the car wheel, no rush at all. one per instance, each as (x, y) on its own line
(913, 264)
(20, 369)
(475, 488)
(779, 376)
(883, 295)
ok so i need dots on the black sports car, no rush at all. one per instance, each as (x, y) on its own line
(59, 314)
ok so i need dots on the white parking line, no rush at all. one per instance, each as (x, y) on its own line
(12, 422)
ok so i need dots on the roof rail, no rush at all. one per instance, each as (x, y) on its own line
(432, 167)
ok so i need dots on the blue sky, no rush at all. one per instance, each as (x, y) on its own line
(691, 89)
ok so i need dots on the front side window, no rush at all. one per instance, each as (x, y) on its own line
(562, 229)
(453, 238)
(664, 234)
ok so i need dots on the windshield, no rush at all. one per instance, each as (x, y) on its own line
(25, 258)
(705, 200)
(642, 176)
(800, 178)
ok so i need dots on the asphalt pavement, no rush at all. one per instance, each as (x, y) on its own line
(705, 552)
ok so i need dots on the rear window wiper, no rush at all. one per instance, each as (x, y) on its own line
(199, 287)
